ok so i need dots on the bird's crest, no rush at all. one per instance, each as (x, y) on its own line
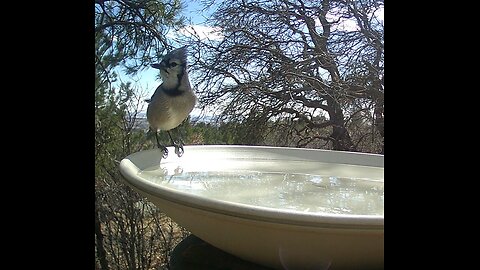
(180, 53)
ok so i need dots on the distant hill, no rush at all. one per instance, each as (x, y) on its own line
(142, 123)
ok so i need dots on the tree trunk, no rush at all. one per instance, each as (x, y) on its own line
(379, 121)
(101, 253)
(340, 136)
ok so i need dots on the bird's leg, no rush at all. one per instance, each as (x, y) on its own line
(162, 147)
(178, 145)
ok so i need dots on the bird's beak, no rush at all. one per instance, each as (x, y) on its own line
(156, 65)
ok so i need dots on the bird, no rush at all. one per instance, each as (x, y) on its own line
(173, 100)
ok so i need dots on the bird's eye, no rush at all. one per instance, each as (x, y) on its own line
(173, 64)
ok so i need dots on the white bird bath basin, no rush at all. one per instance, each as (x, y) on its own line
(285, 208)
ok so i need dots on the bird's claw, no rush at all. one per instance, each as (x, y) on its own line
(164, 151)
(179, 150)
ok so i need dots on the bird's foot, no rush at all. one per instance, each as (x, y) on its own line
(164, 151)
(179, 149)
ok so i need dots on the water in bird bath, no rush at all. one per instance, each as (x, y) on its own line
(320, 192)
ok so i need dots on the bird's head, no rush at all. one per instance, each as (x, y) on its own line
(173, 64)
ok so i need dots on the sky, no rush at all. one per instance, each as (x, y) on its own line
(147, 80)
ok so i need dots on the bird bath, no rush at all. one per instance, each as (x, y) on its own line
(285, 208)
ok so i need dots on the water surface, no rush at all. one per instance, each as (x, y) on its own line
(340, 193)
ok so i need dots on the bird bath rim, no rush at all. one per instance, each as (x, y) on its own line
(129, 168)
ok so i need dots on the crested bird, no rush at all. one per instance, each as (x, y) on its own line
(173, 100)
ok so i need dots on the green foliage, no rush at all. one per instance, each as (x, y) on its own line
(224, 133)
(130, 33)
(130, 233)
(208, 133)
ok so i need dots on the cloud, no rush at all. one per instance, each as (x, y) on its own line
(342, 24)
(202, 31)
(350, 24)
(380, 14)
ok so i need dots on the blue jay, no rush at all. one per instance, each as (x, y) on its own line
(173, 100)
